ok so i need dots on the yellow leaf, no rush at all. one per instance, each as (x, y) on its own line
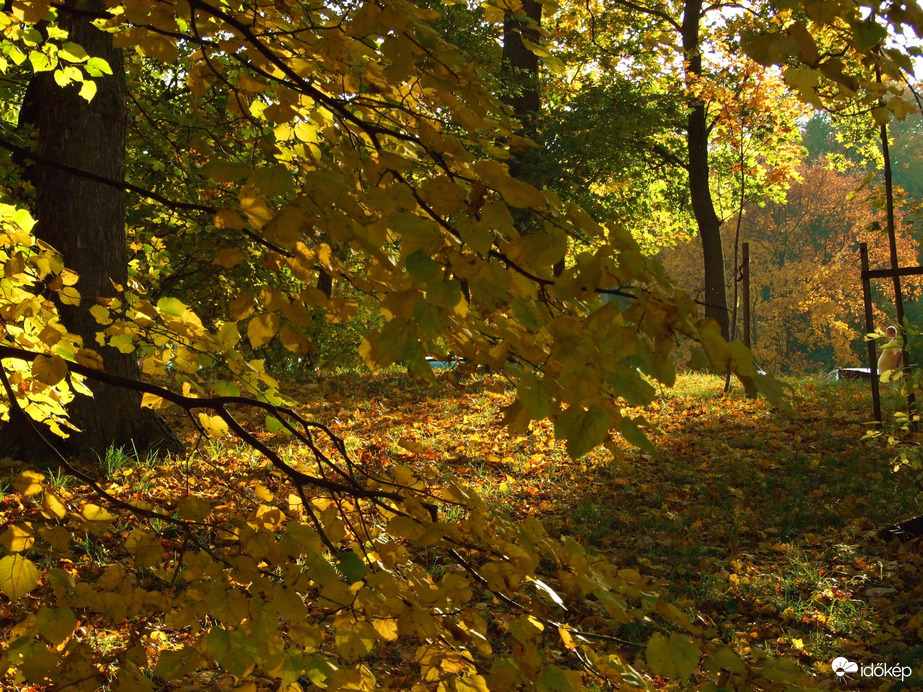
(387, 629)
(798, 643)
(144, 547)
(471, 683)
(263, 493)
(194, 508)
(355, 640)
(295, 340)
(55, 624)
(566, 637)
(159, 47)
(69, 295)
(226, 218)
(28, 483)
(57, 537)
(68, 277)
(261, 329)
(52, 506)
(242, 306)
(286, 227)
(247, 83)
(254, 207)
(18, 537)
(18, 576)
(149, 400)
(88, 90)
(89, 358)
(214, 426)
(228, 258)
(31, 12)
(49, 369)
(96, 519)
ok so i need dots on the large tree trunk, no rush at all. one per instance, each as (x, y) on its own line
(85, 222)
(519, 64)
(520, 75)
(700, 192)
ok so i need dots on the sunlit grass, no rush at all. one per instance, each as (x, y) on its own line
(793, 498)
(760, 522)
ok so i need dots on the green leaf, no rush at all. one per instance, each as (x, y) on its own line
(554, 679)
(633, 433)
(97, 67)
(233, 650)
(274, 180)
(676, 657)
(388, 346)
(171, 307)
(55, 624)
(40, 61)
(583, 430)
(274, 425)
(286, 665)
(73, 52)
(173, 664)
(534, 395)
(421, 267)
(18, 576)
(351, 565)
(726, 658)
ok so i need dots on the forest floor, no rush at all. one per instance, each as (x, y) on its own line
(761, 524)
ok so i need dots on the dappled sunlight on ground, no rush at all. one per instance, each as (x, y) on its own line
(762, 521)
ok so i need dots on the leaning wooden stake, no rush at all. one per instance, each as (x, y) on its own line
(745, 268)
(892, 250)
(869, 328)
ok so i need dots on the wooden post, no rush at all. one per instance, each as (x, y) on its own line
(746, 292)
(892, 248)
(869, 328)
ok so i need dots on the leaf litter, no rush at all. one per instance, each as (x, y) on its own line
(761, 525)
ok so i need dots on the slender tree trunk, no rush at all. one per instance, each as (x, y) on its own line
(85, 222)
(700, 193)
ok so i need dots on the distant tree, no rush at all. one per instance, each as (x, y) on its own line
(804, 271)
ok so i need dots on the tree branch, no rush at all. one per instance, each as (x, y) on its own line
(128, 187)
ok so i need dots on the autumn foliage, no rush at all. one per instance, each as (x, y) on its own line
(806, 293)
(291, 166)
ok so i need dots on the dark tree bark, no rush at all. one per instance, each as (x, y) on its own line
(519, 64)
(85, 222)
(703, 208)
(519, 71)
(325, 283)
